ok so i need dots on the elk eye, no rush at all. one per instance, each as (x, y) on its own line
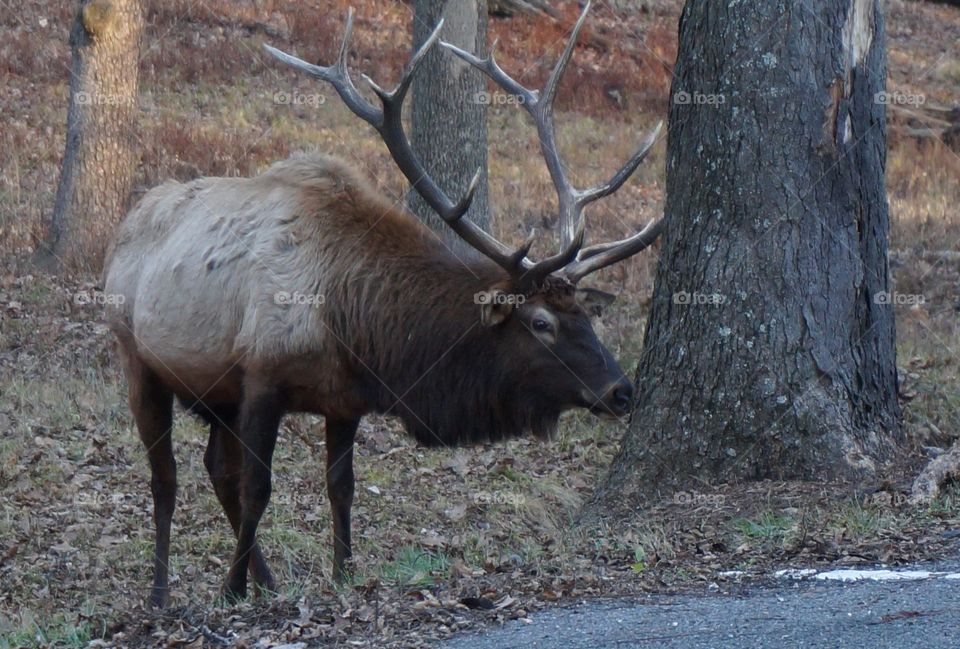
(540, 324)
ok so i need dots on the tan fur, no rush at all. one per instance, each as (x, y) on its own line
(199, 265)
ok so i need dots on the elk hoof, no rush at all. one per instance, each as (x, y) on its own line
(264, 584)
(234, 592)
(342, 573)
(263, 580)
(233, 596)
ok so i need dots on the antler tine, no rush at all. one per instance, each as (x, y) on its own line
(550, 90)
(492, 69)
(396, 96)
(600, 191)
(337, 76)
(388, 124)
(539, 271)
(602, 255)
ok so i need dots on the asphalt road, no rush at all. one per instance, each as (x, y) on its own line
(922, 614)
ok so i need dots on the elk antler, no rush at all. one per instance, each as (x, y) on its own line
(574, 261)
(387, 122)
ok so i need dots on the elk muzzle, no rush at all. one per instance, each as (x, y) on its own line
(615, 402)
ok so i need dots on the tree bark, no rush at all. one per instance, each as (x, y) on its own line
(770, 346)
(448, 111)
(100, 155)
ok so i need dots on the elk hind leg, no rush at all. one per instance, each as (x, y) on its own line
(260, 415)
(151, 403)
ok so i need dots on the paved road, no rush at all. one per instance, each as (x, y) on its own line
(923, 614)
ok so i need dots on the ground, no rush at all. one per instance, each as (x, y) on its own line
(884, 610)
(445, 540)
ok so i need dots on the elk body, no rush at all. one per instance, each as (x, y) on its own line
(304, 290)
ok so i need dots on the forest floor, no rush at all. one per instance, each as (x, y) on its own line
(447, 539)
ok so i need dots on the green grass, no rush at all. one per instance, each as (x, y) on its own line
(415, 567)
(768, 526)
(640, 559)
(947, 504)
(859, 521)
(58, 631)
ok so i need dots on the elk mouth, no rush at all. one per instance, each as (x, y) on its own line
(613, 405)
(602, 411)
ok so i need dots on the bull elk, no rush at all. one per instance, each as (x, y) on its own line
(305, 290)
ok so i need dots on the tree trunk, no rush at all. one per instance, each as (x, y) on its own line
(448, 112)
(99, 160)
(770, 346)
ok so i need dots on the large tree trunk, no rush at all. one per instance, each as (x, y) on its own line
(99, 160)
(448, 112)
(770, 346)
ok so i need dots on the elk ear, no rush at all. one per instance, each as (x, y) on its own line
(495, 307)
(593, 301)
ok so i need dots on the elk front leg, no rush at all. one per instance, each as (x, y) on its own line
(224, 462)
(260, 415)
(340, 436)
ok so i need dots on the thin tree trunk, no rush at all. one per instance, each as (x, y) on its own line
(448, 112)
(770, 347)
(99, 159)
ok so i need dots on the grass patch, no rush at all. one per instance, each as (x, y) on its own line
(768, 526)
(415, 567)
(58, 631)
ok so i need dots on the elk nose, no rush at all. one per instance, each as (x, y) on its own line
(621, 398)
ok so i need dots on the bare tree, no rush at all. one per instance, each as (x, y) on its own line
(448, 113)
(770, 347)
(99, 159)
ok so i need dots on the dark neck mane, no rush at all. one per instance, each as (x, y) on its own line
(428, 360)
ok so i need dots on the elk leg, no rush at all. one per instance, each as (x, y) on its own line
(151, 403)
(224, 462)
(340, 436)
(260, 414)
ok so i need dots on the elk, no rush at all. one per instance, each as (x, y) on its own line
(305, 290)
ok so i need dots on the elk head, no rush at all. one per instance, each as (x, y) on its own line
(539, 311)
